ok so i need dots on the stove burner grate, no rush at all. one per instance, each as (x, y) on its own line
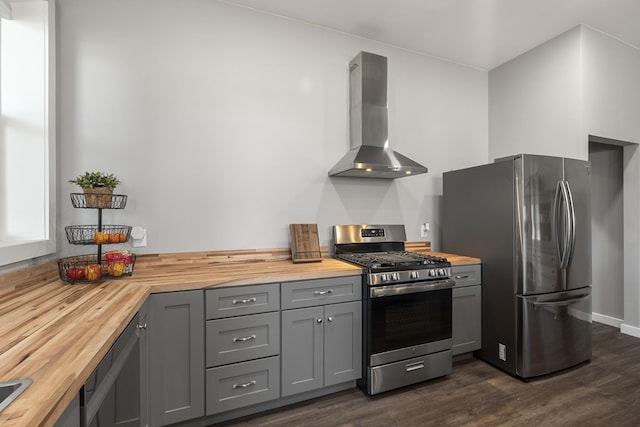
(392, 259)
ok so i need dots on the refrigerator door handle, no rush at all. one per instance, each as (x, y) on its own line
(566, 237)
(572, 224)
(556, 221)
(560, 238)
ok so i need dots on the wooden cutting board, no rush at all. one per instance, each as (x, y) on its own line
(305, 246)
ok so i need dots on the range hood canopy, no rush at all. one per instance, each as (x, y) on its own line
(370, 155)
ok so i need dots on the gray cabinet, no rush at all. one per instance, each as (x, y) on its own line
(242, 347)
(302, 350)
(322, 343)
(176, 357)
(467, 294)
(342, 342)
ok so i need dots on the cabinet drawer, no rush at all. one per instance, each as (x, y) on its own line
(242, 384)
(240, 300)
(308, 293)
(237, 339)
(466, 275)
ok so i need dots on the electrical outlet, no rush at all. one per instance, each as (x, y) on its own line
(138, 237)
(424, 229)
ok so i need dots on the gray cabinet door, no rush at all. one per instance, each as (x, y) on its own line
(342, 342)
(176, 357)
(466, 332)
(302, 350)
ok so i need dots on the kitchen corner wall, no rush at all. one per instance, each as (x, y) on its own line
(534, 101)
(222, 122)
(551, 100)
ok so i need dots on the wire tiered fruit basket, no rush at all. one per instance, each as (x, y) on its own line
(99, 266)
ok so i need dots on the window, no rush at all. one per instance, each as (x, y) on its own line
(27, 130)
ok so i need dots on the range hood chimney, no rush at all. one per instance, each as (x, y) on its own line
(370, 155)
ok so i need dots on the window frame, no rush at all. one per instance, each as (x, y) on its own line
(12, 252)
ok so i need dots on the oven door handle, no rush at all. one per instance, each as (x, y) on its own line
(410, 288)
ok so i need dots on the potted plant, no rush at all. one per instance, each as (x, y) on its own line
(97, 187)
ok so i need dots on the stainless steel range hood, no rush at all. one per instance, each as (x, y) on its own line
(370, 155)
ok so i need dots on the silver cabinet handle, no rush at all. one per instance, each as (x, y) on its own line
(244, 301)
(414, 366)
(245, 385)
(330, 319)
(328, 291)
(139, 326)
(466, 276)
(242, 339)
(319, 320)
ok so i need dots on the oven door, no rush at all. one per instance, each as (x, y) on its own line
(408, 320)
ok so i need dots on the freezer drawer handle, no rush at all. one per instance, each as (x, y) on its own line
(560, 303)
(244, 301)
(415, 366)
(243, 339)
(245, 385)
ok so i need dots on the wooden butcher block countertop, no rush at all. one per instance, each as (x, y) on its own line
(56, 333)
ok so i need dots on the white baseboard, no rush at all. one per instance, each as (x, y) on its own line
(634, 331)
(607, 320)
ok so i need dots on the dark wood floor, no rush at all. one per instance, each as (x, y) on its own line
(605, 392)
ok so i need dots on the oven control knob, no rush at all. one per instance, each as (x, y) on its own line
(395, 276)
(433, 273)
(442, 272)
(384, 277)
(414, 275)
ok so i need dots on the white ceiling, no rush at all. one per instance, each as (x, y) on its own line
(478, 33)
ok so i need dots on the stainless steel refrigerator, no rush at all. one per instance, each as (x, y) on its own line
(528, 218)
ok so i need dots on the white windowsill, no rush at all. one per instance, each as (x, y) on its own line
(12, 252)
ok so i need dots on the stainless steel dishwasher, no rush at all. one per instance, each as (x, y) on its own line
(111, 395)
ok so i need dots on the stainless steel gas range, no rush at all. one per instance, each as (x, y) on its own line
(406, 307)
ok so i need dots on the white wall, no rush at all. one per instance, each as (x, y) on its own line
(222, 123)
(611, 109)
(534, 101)
(551, 99)
(607, 233)
(611, 87)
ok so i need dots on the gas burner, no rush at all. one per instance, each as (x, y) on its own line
(399, 259)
